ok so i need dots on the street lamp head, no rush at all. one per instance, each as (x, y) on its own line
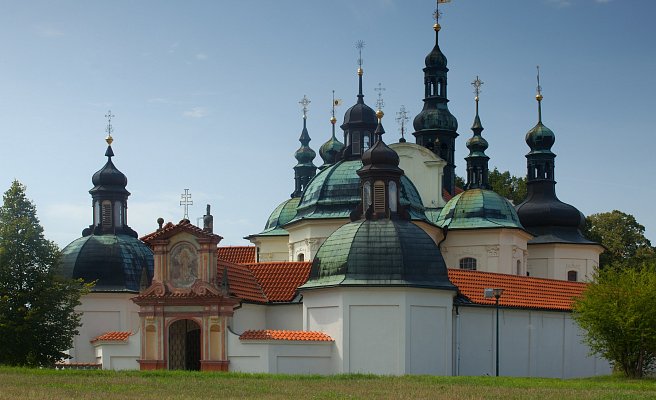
(497, 292)
(492, 293)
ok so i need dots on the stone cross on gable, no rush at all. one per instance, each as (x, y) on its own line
(186, 201)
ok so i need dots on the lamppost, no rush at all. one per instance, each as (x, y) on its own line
(496, 293)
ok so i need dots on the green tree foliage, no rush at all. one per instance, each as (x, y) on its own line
(37, 318)
(508, 186)
(617, 311)
(623, 237)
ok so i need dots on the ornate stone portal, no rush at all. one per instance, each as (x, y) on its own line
(183, 312)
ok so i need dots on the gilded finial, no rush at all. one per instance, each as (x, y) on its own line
(359, 45)
(109, 139)
(305, 102)
(538, 96)
(336, 103)
(437, 15)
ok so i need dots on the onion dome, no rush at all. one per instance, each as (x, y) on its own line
(382, 252)
(109, 178)
(305, 169)
(335, 193)
(478, 209)
(477, 168)
(359, 113)
(542, 213)
(330, 150)
(117, 263)
(380, 156)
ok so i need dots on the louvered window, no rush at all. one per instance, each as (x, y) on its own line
(107, 213)
(379, 196)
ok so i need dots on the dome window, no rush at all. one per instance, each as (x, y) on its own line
(366, 195)
(300, 257)
(468, 263)
(392, 196)
(106, 213)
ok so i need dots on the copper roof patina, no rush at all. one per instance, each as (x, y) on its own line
(476, 209)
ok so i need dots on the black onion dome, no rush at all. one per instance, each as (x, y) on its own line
(435, 116)
(359, 113)
(543, 209)
(380, 155)
(116, 263)
(435, 59)
(540, 138)
(109, 178)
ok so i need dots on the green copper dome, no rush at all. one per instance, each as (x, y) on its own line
(384, 252)
(335, 192)
(284, 213)
(117, 263)
(476, 209)
(435, 117)
(330, 150)
(540, 139)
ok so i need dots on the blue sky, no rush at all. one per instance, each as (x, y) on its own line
(206, 95)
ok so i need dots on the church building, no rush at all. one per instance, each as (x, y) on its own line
(377, 263)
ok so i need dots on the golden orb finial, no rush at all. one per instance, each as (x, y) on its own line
(538, 97)
(379, 113)
(360, 71)
(109, 139)
(333, 120)
(437, 27)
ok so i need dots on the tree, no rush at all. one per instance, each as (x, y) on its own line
(37, 317)
(508, 186)
(617, 313)
(622, 236)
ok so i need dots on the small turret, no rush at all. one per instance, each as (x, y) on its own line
(305, 170)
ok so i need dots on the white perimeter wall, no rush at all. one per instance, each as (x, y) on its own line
(390, 331)
(531, 343)
(259, 316)
(119, 355)
(279, 356)
(101, 313)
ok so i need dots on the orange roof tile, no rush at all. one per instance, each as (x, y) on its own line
(519, 291)
(242, 282)
(237, 254)
(280, 280)
(112, 337)
(286, 335)
(171, 229)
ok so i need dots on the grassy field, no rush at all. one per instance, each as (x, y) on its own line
(16, 383)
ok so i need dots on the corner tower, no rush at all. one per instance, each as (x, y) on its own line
(435, 126)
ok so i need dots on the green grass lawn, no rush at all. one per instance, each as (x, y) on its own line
(18, 383)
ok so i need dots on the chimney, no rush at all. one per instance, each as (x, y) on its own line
(208, 221)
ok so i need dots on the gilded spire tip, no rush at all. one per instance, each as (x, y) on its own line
(109, 139)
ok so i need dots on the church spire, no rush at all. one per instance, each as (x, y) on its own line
(305, 170)
(359, 120)
(109, 195)
(477, 167)
(330, 150)
(435, 126)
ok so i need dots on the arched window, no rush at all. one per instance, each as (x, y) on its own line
(366, 195)
(365, 141)
(519, 267)
(392, 196)
(355, 148)
(379, 196)
(300, 257)
(572, 276)
(107, 213)
(468, 263)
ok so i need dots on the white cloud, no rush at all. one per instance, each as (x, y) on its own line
(201, 56)
(196, 112)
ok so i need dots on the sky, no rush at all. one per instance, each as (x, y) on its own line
(205, 96)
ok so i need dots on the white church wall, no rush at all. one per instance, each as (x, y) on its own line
(555, 260)
(248, 317)
(306, 236)
(272, 248)
(101, 313)
(425, 170)
(284, 317)
(389, 331)
(279, 356)
(119, 355)
(531, 343)
(495, 250)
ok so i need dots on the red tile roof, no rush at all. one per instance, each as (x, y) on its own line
(242, 282)
(112, 337)
(280, 280)
(171, 229)
(237, 254)
(519, 291)
(286, 335)
(447, 196)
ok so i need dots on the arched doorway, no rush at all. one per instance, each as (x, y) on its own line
(184, 345)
